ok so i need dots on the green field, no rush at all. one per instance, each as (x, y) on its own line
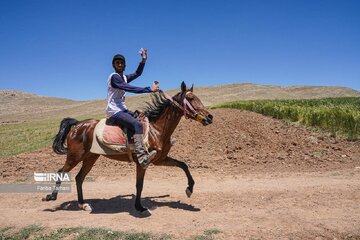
(339, 116)
(28, 136)
(23, 137)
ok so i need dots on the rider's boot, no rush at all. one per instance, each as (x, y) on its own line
(144, 157)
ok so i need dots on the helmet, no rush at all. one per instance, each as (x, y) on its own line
(118, 56)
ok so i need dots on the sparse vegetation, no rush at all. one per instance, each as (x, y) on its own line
(82, 233)
(336, 115)
(78, 233)
(208, 235)
(24, 233)
(210, 232)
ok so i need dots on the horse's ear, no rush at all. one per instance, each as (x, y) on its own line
(183, 87)
(192, 88)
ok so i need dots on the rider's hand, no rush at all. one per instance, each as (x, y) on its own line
(155, 87)
(143, 53)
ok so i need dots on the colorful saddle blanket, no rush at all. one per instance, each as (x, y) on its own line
(114, 135)
(108, 137)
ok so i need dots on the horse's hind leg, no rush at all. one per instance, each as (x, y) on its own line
(88, 163)
(70, 163)
(169, 161)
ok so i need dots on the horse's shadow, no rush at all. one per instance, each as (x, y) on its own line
(123, 203)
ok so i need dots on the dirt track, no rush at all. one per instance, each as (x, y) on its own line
(256, 177)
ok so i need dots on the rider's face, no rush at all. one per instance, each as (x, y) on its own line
(119, 65)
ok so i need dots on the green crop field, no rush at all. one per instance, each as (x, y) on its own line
(339, 116)
(23, 137)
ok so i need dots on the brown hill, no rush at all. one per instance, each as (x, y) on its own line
(16, 106)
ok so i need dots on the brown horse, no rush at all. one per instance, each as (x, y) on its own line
(164, 114)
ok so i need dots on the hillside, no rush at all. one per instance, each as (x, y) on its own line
(16, 106)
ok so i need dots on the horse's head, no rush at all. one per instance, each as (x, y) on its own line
(192, 106)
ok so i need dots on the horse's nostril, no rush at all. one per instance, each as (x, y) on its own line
(210, 116)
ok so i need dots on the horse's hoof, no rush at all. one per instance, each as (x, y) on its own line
(48, 197)
(145, 213)
(85, 207)
(188, 192)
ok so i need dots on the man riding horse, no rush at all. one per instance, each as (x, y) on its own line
(116, 110)
(76, 138)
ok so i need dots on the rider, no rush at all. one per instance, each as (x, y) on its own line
(116, 111)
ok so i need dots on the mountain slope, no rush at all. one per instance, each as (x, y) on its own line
(16, 106)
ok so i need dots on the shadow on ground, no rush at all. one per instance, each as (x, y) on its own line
(124, 203)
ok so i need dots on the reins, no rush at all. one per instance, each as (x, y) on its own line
(186, 104)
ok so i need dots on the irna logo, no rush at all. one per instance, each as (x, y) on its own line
(49, 177)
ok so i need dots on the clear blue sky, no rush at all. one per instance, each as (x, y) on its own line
(64, 48)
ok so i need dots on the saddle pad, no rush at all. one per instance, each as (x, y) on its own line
(100, 147)
(114, 135)
(99, 135)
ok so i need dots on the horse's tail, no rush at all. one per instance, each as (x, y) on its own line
(59, 139)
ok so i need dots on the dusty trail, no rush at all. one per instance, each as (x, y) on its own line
(274, 206)
(256, 177)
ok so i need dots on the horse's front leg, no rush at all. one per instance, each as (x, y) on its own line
(169, 161)
(140, 174)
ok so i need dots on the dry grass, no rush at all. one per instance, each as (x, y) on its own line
(21, 107)
(29, 121)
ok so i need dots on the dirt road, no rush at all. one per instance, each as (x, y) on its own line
(256, 177)
(270, 206)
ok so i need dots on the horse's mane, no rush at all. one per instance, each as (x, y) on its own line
(154, 109)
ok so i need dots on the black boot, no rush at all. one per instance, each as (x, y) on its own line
(144, 157)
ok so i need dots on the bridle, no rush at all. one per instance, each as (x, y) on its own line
(185, 106)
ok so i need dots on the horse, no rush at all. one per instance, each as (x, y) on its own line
(164, 114)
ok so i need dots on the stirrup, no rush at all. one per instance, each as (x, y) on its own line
(144, 164)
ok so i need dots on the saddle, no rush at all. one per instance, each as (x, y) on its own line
(112, 140)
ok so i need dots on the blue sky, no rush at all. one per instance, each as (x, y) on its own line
(64, 48)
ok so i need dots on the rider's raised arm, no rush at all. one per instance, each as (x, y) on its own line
(139, 70)
(118, 82)
(136, 74)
